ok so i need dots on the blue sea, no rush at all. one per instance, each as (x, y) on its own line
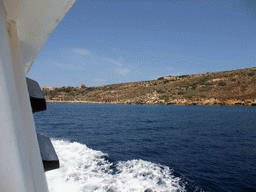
(112, 148)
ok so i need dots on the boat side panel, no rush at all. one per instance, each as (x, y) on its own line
(21, 167)
(36, 19)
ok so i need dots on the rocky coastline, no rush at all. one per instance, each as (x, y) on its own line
(227, 88)
(208, 102)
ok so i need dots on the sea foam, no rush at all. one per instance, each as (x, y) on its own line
(84, 169)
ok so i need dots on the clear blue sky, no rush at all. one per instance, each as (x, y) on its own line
(115, 41)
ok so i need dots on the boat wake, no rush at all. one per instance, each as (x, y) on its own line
(84, 169)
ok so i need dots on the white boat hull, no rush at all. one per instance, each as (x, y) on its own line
(22, 22)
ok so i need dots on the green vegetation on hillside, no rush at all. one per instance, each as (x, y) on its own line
(221, 86)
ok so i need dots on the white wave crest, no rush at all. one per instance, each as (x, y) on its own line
(84, 169)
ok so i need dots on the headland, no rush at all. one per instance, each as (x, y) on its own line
(235, 88)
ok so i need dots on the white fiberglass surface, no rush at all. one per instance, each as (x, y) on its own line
(84, 169)
(35, 19)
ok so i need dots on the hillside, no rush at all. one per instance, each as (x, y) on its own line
(237, 87)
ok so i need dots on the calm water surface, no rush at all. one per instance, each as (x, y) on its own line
(210, 148)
